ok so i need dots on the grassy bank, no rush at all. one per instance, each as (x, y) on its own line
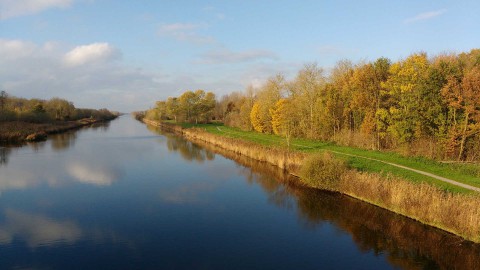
(18, 131)
(431, 202)
(360, 159)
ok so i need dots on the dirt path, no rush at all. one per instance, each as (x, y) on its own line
(440, 178)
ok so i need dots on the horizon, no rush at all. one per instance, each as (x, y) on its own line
(125, 55)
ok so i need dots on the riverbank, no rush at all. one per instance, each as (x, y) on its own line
(18, 131)
(457, 213)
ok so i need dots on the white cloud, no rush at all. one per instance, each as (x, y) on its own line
(225, 56)
(187, 32)
(15, 8)
(425, 16)
(96, 52)
(13, 49)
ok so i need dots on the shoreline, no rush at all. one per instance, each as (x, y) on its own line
(422, 202)
(35, 132)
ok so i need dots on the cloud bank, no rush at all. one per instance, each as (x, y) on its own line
(88, 75)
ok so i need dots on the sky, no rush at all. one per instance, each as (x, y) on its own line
(125, 55)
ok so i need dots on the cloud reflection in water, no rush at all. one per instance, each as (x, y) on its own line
(37, 230)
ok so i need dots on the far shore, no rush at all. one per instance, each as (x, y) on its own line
(19, 131)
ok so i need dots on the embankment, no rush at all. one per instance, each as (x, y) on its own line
(453, 212)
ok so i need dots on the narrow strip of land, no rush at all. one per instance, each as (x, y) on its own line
(440, 178)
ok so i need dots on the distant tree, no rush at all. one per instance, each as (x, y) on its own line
(173, 109)
(59, 109)
(3, 99)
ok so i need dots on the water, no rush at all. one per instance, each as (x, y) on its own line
(121, 196)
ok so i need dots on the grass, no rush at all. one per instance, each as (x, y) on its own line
(464, 173)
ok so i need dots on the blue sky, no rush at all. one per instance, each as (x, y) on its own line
(124, 55)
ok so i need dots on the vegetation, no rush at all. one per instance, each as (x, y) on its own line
(417, 106)
(323, 171)
(191, 106)
(32, 119)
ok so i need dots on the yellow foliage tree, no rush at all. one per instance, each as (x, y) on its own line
(255, 118)
(283, 118)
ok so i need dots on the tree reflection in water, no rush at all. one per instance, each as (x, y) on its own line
(63, 141)
(188, 150)
(407, 243)
(4, 153)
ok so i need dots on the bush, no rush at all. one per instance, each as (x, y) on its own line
(323, 171)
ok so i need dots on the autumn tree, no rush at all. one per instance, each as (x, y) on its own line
(464, 99)
(59, 109)
(172, 109)
(405, 84)
(284, 119)
(258, 123)
(305, 90)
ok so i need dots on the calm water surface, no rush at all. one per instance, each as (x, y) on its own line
(124, 196)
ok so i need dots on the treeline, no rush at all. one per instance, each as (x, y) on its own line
(418, 105)
(197, 107)
(45, 111)
(427, 106)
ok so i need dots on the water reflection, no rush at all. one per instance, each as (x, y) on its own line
(103, 126)
(188, 193)
(188, 150)
(63, 141)
(49, 162)
(90, 173)
(36, 230)
(4, 153)
(408, 244)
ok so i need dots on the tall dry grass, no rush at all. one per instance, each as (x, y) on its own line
(277, 156)
(452, 212)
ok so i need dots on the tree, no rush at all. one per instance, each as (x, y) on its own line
(256, 120)
(206, 106)
(305, 90)
(3, 100)
(59, 109)
(405, 84)
(464, 98)
(283, 119)
(173, 107)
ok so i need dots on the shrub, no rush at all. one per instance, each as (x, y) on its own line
(323, 171)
